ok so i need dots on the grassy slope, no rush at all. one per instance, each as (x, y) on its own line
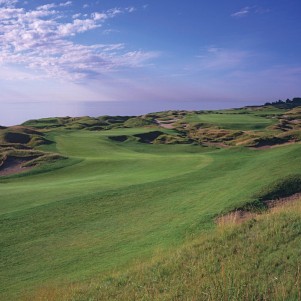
(258, 260)
(121, 203)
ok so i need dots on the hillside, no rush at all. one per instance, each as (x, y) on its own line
(256, 260)
(125, 207)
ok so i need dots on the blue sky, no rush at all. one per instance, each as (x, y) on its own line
(235, 52)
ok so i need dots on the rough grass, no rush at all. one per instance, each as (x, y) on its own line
(138, 122)
(78, 123)
(257, 260)
(20, 135)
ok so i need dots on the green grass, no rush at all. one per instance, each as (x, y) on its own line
(258, 260)
(121, 203)
(234, 121)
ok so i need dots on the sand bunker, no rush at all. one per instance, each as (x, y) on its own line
(14, 165)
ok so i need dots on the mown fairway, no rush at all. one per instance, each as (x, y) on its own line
(120, 203)
(232, 120)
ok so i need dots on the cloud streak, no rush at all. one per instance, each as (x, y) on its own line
(43, 39)
(242, 12)
(247, 10)
(8, 3)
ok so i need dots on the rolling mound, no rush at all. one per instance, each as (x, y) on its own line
(19, 150)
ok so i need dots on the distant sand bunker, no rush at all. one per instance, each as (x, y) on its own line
(13, 165)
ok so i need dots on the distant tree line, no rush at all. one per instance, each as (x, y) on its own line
(285, 103)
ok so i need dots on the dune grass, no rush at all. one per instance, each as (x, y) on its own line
(121, 203)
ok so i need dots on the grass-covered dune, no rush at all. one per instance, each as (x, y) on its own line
(113, 204)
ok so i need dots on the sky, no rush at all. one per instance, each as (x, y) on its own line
(57, 56)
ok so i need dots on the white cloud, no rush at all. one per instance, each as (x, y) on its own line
(40, 39)
(242, 13)
(131, 9)
(245, 11)
(99, 16)
(114, 12)
(9, 13)
(46, 6)
(53, 5)
(68, 3)
(76, 16)
(77, 26)
(8, 2)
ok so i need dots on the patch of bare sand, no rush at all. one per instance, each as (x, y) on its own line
(166, 124)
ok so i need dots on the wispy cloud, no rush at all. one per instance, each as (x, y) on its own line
(53, 5)
(8, 2)
(247, 10)
(242, 12)
(131, 9)
(40, 39)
